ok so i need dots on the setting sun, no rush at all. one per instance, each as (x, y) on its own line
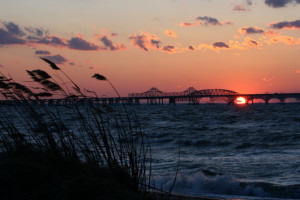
(240, 100)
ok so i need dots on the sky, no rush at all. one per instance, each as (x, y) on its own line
(248, 46)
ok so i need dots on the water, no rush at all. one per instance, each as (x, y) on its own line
(247, 152)
(237, 152)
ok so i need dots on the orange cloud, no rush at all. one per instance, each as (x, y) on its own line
(190, 24)
(216, 46)
(205, 47)
(171, 33)
(145, 40)
(298, 71)
(248, 43)
(271, 33)
(252, 43)
(286, 40)
(232, 44)
(228, 22)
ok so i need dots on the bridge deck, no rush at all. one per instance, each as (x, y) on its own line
(159, 99)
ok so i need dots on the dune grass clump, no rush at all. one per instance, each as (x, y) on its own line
(98, 152)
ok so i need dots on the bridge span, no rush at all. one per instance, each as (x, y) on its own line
(155, 96)
(193, 96)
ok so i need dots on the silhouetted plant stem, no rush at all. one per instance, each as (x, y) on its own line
(97, 136)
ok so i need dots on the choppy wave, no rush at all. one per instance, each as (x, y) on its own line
(251, 151)
(200, 184)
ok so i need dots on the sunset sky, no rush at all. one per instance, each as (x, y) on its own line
(248, 46)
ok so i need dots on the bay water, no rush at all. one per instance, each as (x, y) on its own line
(217, 150)
(236, 151)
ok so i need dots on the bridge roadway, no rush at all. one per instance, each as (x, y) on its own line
(155, 96)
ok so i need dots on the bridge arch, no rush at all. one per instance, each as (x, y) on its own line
(214, 92)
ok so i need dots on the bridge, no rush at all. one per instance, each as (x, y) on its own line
(193, 96)
(155, 96)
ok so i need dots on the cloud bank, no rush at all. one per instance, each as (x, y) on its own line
(13, 34)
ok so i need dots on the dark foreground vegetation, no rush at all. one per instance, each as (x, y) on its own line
(34, 174)
(101, 154)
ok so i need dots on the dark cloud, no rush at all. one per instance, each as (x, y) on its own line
(220, 45)
(42, 52)
(36, 32)
(11, 33)
(253, 42)
(108, 43)
(110, 46)
(251, 30)
(191, 48)
(249, 2)
(155, 43)
(277, 3)
(14, 29)
(81, 44)
(208, 20)
(205, 20)
(7, 38)
(140, 41)
(71, 63)
(1, 65)
(169, 48)
(48, 40)
(286, 25)
(280, 3)
(57, 59)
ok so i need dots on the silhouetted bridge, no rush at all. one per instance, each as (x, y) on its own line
(193, 96)
(155, 96)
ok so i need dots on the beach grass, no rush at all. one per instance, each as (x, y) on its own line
(103, 154)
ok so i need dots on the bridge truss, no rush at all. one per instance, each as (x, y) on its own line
(194, 96)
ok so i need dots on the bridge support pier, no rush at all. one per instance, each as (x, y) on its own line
(230, 101)
(282, 101)
(172, 101)
(267, 101)
(252, 101)
(136, 101)
(161, 101)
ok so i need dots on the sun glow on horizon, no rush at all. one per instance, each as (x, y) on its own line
(240, 100)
